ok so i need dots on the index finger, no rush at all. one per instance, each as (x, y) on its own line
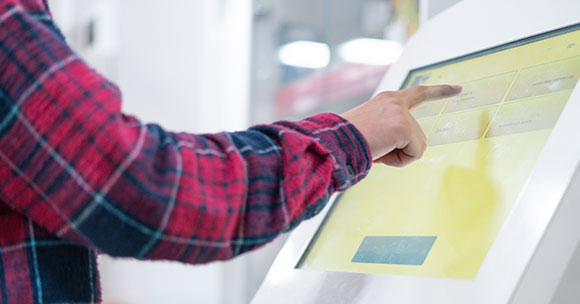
(417, 95)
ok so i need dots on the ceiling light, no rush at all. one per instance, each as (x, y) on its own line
(371, 51)
(305, 54)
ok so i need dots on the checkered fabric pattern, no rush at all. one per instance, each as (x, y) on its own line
(78, 177)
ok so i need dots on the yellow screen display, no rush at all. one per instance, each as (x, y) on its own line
(439, 216)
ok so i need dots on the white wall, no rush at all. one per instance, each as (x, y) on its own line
(160, 61)
(185, 65)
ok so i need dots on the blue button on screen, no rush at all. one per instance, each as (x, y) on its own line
(394, 250)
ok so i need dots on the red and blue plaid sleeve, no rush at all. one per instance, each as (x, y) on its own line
(75, 165)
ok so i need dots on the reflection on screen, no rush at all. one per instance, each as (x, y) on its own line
(440, 216)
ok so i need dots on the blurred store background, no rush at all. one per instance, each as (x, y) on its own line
(222, 65)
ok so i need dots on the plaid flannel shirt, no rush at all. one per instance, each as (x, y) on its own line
(79, 177)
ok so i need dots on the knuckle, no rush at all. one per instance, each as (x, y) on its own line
(387, 95)
(391, 98)
(398, 111)
(400, 102)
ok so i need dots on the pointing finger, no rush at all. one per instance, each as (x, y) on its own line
(416, 95)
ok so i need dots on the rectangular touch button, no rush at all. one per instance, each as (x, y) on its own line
(482, 92)
(534, 114)
(459, 127)
(483, 145)
(546, 78)
(395, 250)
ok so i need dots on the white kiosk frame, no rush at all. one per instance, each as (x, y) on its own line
(531, 252)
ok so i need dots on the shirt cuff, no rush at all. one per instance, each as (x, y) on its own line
(348, 147)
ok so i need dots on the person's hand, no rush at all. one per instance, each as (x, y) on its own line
(393, 135)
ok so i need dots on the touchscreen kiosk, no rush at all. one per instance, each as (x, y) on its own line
(490, 213)
(443, 212)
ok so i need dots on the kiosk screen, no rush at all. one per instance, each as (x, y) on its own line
(439, 216)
